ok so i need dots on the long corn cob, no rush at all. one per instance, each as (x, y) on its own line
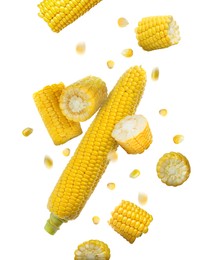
(59, 127)
(82, 99)
(157, 32)
(130, 221)
(60, 13)
(133, 134)
(92, 249)
(89, 162)
(173, 169)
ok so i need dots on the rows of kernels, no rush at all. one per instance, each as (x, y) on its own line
(130, 221)
(59, 14)
(58, 126)
(89, 162)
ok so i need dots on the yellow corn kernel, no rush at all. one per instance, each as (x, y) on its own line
(135, 173)
(163, 112)
(27, 131)
(110, 64)
(122, 22)
(96, 220)
(48, 162)
(66, 152)
(112, 156)
(133, 134)
(111, 186)
(79, 101)
(127, 53)
(132, 220)
(59, 14)
(173, 169)
(142, 198)
(58, 126)
(177, 139)
(155, 74)
(80, 48)
(157, 32)
(89, 161)
(92, 249)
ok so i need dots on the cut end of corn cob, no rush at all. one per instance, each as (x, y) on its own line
(27, 131)
(173, 169)
(53, 224)
(133, 134)
(81, 100)
(91, 250)
(130, 221)
(157, 32)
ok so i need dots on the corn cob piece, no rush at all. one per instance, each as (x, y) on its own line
(58, 126)
(157, 32)
(133, 134)
(173, 169)
(79, 101)
(89, 162)
(92, 249)
(61, 13)
(130, 221)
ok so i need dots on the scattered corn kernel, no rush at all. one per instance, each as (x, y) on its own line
(110, 64)
(155, 74)
(122, 22)
(80, 48)
(177, 139)
(163, 112)
(142, 198)
(127, 53)
(27, 131)
(96, 220)
(112, 156)
(135, 173)
(48, 162)
(66, 152)
(111, 186)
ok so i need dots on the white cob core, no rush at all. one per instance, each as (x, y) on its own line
(129, 127)
(173, 32)
(77, 104)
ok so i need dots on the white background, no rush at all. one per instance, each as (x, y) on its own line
(32, 56)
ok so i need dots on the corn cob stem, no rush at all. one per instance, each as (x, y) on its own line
(89, 162)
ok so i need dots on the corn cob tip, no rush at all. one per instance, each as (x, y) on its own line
(53, 224)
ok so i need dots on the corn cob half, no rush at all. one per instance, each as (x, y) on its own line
(90, 160)
(92, 249)
(58, 126)
(157, 32)
(173, 169)
(133, 134)
(59, 14)
(130, 221)
(82, 99)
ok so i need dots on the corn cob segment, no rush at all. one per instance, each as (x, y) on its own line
(157, 32)
(130, 221)
(90, 160)
(173, 169)
(92, 249)
(79, 101)
(133, 134)
(61, 13)
(58, 126)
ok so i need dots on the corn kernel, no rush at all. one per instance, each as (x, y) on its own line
(80, 48)
(111, 186)
(110, 64)
(177, 139)
(142, 198)
(163, 112)
(122, 22)
(127, 53)
(66, 152)
(135, 173)
(96, 220)
(48, 162)
(155, 74)
(27, 131)
(112, 156)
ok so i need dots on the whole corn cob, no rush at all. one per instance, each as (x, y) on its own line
(157, 32)
(89, 162)
(59, 127)
(60, 13)
(92, 249)
(173, 169)
(130, 221)
(79, 101)
(133, 134)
